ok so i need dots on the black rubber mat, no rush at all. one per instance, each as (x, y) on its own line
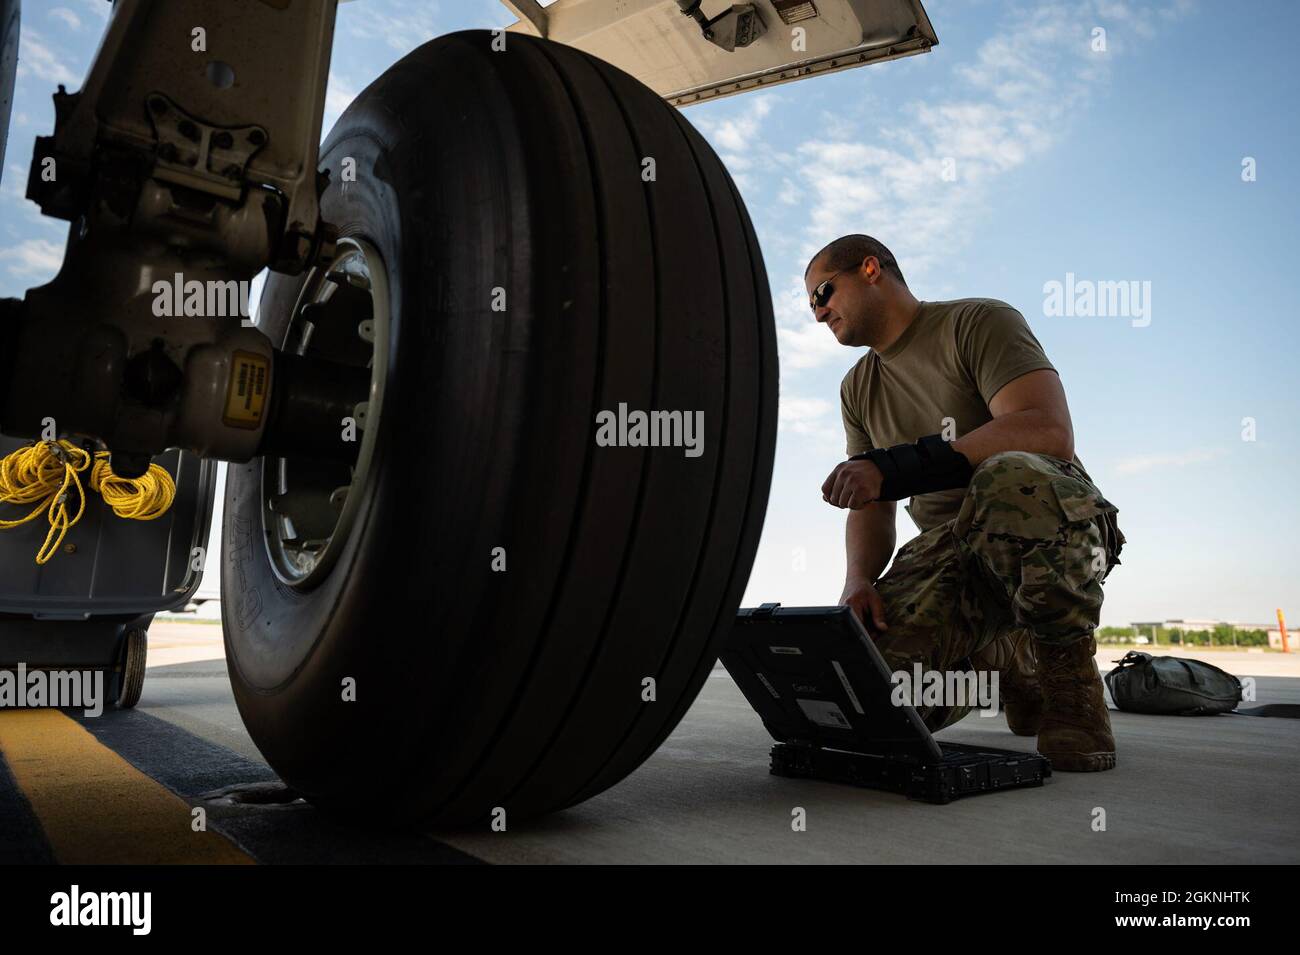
(294, 833)
(22, 840)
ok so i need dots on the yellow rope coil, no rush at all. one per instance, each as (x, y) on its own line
(45, 473)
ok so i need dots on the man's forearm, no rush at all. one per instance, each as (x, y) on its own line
(1029, 430)
(869, 538)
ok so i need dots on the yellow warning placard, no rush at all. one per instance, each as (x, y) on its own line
(250, 376)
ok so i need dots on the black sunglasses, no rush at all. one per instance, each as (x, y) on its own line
(822, 294)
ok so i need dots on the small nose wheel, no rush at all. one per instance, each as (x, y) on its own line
(135, 651)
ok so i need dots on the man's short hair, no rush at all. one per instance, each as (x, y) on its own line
(849, 250)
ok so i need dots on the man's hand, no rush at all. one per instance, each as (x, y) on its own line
(853, 484)
(864, 600)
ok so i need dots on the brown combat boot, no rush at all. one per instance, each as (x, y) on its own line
(1021, 695)
(1075, 734)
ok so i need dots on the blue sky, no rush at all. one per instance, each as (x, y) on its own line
(1122, 165)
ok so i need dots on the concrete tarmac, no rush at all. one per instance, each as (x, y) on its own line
(1186, 789)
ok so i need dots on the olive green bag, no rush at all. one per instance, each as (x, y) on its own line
(1143, 683)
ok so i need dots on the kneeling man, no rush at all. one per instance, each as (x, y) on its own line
(956, 407)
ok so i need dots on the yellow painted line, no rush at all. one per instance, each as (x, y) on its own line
(95, 807)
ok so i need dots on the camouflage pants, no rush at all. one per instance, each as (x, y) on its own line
(1029, 549)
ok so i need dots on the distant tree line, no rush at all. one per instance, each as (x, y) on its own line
(1223, 635)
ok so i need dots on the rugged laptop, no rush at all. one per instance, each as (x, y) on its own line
(823, 691)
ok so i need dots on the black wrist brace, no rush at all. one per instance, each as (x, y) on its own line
(909, 469)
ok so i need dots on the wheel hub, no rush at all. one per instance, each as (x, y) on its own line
(310, 504)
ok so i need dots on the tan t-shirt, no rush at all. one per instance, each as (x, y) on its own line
(949, 363)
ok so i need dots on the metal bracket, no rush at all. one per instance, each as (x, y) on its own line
(734, 28)
(270, 63)
(198, 155)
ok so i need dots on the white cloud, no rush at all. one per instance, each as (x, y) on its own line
(33, 257)
(67, 16)
(739, 133)
(738, 139)
(801, 414)
(15, 182)
(339, 94)
(39, 60)
(1150, 462)
(1011, 103)
(815, 418)
(403, 25)
(807, 346)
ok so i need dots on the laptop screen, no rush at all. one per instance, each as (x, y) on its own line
(814, 675)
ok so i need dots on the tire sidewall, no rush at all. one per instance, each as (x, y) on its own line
(287, 647)
(374, 624)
